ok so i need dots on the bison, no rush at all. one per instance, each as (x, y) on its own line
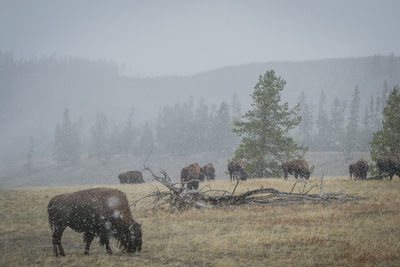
(296, 167)
(389, 164)
(237, 170)
(191, 175)
(100, 212)
(359, 169)
(209, 171)
(131, 177)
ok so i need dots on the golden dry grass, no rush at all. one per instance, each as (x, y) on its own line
(365, 232)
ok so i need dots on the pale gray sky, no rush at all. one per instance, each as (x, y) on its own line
(184, 37)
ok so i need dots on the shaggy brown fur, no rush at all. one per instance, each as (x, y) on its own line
(237, 169)
(390, 165)
(209, 171)
(100, 212)
(131, 177)
(359, 169)
(296, 167)
(192, 172)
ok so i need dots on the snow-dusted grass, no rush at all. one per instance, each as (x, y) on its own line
(352, 233)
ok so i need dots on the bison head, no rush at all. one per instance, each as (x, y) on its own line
(243, 175)
(132, 239)
(307, 174)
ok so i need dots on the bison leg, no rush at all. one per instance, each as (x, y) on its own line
(105, 241)
(87, 238)
(57, 234)
(196, 185)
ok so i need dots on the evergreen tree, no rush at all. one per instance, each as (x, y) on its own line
(368, 125)
(387, 140)
(336, 125)
(352, 129)
(306, 123)
(67, 141)
(220, 135)
(146, 142)
(201, 125)
(100, 148)
(126, 142)
(323, 127)
(236, 108)
(264, 129)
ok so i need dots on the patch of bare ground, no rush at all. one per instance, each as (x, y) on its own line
(365, 232)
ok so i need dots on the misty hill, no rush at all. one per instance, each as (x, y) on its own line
(34, 92)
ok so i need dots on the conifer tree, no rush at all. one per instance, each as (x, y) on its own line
(387, 140)
(352, 129)
(306, 123)
(323, 127)
(336, 121)
(67, 141)
(264, 129)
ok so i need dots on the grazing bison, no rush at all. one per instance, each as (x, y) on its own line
(209, 171)
(389, 164)
(296, 167)
(100, 212)
(191, 175)
(131, 177)
(359, 169)
(237, 170)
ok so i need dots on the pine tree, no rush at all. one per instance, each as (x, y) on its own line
(387, 140)
(66, 141)
(220, 133)
(100, 148)
(336, 121)
(352, 129)
(146, 142)
(323, 127)
(236, 108)
(306, 123)
(264, 129)
(201, 125)
(126, 142)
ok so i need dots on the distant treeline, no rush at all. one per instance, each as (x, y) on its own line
(180, 129)
(193, 126)
(341, 126)
(34, 91)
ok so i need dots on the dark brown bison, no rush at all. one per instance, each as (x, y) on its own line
(131, 177)
(296, 167)
(359, 169)
(209, 171)
(237, 169)
(191, 176)
(100, 212)
(389, 164)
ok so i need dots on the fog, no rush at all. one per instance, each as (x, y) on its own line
(128, 67)
(156, 38)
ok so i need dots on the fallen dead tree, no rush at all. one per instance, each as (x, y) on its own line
(179, 198)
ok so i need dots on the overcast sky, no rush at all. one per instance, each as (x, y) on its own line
(183, 37)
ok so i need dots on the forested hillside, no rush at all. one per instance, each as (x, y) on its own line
(115, 114)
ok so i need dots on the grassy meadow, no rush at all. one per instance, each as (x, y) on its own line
(365, 232)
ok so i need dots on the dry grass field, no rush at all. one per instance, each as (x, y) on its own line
(365, 232)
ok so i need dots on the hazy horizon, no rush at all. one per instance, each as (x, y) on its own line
(156, 38)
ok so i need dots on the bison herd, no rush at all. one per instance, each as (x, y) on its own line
(193, 174)
(388, 166)
(104, 212)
